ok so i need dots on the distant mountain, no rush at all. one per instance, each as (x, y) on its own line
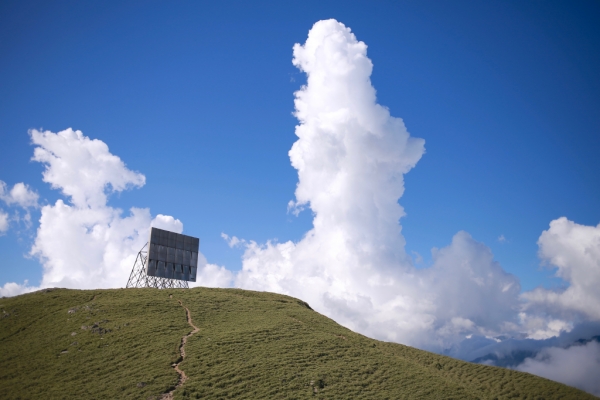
(127, 343)
(515, 357)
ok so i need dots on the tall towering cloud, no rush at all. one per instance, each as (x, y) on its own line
(351, 156)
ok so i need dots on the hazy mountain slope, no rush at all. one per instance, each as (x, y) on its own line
(250, 345)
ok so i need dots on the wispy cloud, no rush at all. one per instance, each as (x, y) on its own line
(233, 241)
(20, 195)
(3, 222)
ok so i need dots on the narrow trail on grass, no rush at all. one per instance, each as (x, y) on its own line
(182, 375)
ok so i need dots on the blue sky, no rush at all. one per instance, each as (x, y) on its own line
(198, 97)
(196, 102)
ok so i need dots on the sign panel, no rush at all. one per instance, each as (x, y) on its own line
(172, 255)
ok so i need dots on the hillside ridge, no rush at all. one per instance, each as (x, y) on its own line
(137, 343)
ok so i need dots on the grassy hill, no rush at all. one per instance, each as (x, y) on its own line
(111, 344)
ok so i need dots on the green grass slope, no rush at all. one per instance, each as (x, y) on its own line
(112, 344)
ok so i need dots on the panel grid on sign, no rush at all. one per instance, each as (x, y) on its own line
(172, 255)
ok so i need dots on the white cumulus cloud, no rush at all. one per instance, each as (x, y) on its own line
(12, 289)
(81, 241)
(83, 169)
(575, 251)
(167, 223)
(211, 275)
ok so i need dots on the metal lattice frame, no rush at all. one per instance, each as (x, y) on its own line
(139, 279)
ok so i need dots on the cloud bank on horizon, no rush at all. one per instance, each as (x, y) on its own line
(351, 156)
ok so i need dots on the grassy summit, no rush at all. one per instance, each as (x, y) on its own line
(110, 344)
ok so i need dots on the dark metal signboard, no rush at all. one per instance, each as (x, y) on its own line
(172, 255)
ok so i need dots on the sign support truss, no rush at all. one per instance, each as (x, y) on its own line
(139, 279)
